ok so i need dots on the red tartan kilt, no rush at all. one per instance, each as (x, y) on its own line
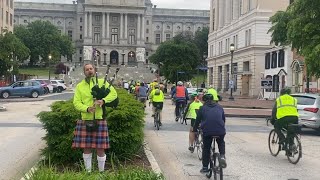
(95, 140)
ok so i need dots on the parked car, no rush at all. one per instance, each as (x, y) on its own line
(28, 88)
(308, 108)
(46, 84)
(60, 85)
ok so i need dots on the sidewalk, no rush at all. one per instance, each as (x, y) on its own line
(247, 103)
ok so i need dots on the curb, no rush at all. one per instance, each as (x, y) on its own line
(247, 116)
(154, 164)
(22, 100)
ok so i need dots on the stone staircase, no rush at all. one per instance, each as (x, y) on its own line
(142, 73)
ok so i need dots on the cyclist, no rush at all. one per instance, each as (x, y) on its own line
(153, 84)
(284, 113)
(214, 93)
(142, 93)
(191, 110)
(180, 93)
(212, 122)
(156, 97)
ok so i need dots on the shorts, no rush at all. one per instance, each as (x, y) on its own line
(159, 105)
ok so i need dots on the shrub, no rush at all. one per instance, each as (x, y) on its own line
(125, 129)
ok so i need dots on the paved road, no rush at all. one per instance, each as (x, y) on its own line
(248, 156)
(20, 135)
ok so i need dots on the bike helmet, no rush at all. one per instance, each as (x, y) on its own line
(207, 97)
(194, 94)
(180, 83)
(157, 86)
(285, 91)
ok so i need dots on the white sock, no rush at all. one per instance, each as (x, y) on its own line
(101, 162)
(87, 161)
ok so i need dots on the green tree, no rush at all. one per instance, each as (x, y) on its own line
(43, 38)
(201, 40)
(299, 26)
(176, 55)
(11, 49)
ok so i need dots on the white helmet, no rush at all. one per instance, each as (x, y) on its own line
(180, 83)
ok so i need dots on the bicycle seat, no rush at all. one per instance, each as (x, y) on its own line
(215, 137)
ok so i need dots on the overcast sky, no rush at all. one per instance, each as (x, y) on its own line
(185, 4)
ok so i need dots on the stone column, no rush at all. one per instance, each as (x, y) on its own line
(221, 13)
(142, 28)
(211, 16)
(139, 28)
(103, 25)
(126, 26)
(90, 25)
(64, 26)
(236, 9)
(108, 26)
(121, 26)
(216, 15)
(227, 12)
(163, 34)
(85, 22)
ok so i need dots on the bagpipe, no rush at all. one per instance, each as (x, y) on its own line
(99, 93)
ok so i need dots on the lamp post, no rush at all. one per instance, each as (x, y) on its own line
(205, 69)
(123, 58)
(50, 57)
(231, 82)
(105, 57)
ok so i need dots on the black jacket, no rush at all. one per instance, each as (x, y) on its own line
(212, 119)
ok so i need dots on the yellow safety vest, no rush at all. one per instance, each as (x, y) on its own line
(286, 106)
(214, 94)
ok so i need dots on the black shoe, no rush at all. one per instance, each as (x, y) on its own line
(191, 149)
(160, 124)
(204, 170)
(152, 115)
(222, 161)
(177, 118)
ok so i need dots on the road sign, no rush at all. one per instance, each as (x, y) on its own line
(266, 83)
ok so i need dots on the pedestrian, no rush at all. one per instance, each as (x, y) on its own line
(91, 131)
(211, 119)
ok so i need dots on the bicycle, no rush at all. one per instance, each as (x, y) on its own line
(181, 113)
(198, 143)
(215, 167)
(291, 150)
(156, 118)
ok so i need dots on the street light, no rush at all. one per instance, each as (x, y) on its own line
(50, 57)
(204, 69)
(105, 57)
(231, 82)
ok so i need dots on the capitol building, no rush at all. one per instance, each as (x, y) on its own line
(123, 32)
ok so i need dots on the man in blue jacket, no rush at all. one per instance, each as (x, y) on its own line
(212, 122)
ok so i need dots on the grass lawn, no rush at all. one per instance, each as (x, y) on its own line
(35, 71)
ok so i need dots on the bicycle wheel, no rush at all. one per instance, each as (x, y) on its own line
(273, 142)
(157, 117)
(211, 165)
(181, 115)
(199, 146)
(295, 152)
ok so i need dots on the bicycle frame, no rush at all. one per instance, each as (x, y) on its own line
(214, 159)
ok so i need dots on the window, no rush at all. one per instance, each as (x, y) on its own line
(114, 30)
(80, 19)
(168, 37)
(147, 39)
(80, 59)
(70, 33)
(80, 51)
(267, 61)
(248, 37)
(246, 66)
(147, 31)
(168, 27)
(227, 45)
(96, 37)
(114, 18)
(11, 4)
(281, 58)
(7, 17)
(70, 23)
(131, 19)
(275, 83)
(274, 60)
(132, 31)
(147, 22)
(11, 19)
(80, 28)
(132, 39)
(96, 29)
(232, 10)
(147, 53)
(25, 21)
(158, 38)
(80, 36)
(97, 18)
